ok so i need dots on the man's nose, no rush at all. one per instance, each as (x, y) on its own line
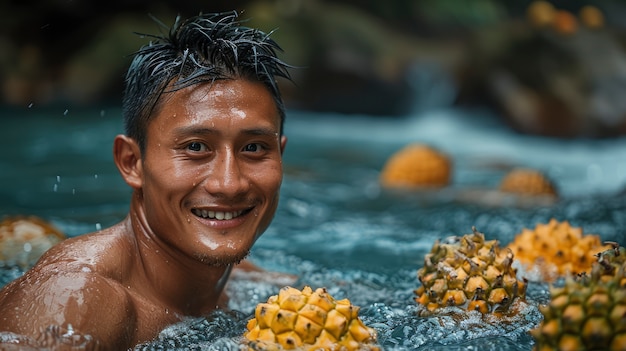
(227, 176)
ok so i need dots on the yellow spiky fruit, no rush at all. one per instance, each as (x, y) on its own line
(525, 181)
(589, 311)
(555, 249)
(23, 239)
(417, 165)
(471, 273)
(308, 320)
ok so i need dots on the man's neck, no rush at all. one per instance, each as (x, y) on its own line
(169, 277)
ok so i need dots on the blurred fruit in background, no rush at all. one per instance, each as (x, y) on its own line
(417, 165)
(23, 239)
(526, 181)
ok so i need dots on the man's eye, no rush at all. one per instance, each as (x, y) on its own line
(196, 147)
(252, 147)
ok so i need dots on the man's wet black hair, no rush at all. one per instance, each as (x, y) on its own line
(203, 48)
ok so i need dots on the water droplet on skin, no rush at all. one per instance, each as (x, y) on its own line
(188, 220)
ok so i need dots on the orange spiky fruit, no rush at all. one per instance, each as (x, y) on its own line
(526, 181)
(308, 320)
(417, 165)
(555, 249)
(471, 273)
(589, 311)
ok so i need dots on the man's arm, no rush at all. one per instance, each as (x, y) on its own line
(49, 307)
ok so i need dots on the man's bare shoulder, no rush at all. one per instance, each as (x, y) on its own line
(72, 285)
(104, 253)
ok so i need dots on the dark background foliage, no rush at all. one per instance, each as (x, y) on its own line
(382, 58)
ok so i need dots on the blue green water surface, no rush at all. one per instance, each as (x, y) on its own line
(335, 226)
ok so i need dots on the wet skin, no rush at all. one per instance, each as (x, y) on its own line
(204, 190)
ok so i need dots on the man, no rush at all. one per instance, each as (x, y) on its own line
(203, 154)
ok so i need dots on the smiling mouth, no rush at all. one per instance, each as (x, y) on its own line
(219, 215)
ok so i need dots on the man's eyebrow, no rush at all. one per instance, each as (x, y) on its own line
(194, 130)
(261, 131)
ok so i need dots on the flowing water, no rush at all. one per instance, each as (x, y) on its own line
(335, 226)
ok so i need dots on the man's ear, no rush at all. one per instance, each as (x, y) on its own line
(283, 143)
(127, 158)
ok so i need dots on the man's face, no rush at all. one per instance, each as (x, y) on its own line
(212, 169)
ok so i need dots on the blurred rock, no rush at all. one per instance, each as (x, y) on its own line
(350, 61)
(555, 75)
(76, 52)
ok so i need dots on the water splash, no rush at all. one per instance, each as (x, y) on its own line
(219, 331)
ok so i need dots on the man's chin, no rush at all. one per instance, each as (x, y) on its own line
(222, 261)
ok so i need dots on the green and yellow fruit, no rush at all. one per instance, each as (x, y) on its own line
(417, 165)
(610, 265)
(470, 273)
(308, 320)
(589, 311)
(555, 249)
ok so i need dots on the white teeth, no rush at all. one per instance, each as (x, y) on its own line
(219, 215)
